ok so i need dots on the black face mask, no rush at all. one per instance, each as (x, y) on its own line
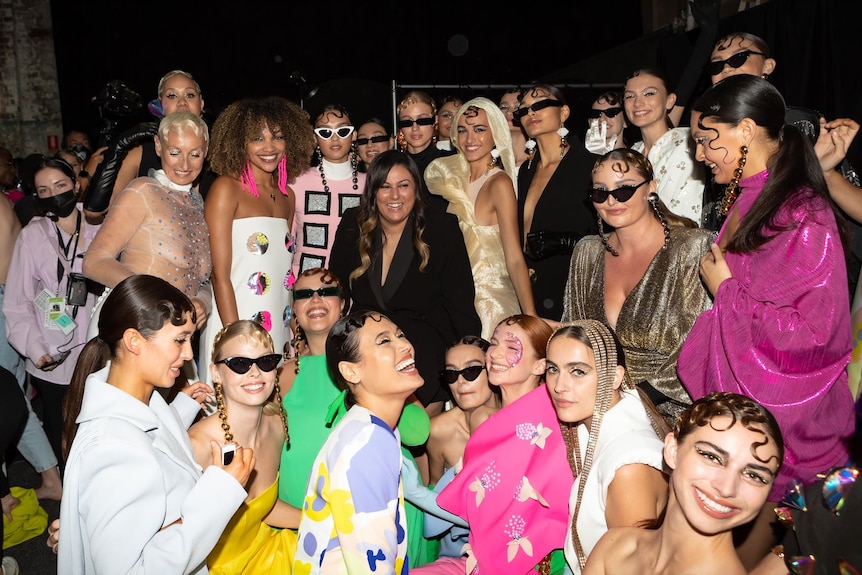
(60, 205)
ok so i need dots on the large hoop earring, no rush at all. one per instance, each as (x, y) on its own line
(732, 190)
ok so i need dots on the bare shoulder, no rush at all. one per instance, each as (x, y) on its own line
(444, 425)
(622, 550)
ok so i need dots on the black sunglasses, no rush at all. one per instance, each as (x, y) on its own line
(735, 61)
(621, 194)
(536, 106)
(241, 365)
(608, 113)
(308, 293)
(469, 373)
(372, 140)
(326, 133)
(404, 124)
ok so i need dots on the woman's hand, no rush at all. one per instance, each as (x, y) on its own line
(44, 360)
(835, 137)
(201, 311)
(241, 466)
(54, 535)
(714, 269)
(9, 502)
(199, 391)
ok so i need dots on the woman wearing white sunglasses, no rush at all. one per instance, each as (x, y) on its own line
(330, 186)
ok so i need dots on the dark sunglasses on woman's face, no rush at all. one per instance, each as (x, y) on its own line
(735, 61)
(241, 365)
(326, 133)
(621, 194)
(536, 106)
(404, 124)
(607, 112)
(469, 373)
(308, 293)
(372, 140)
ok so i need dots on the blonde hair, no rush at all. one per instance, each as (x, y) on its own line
(181, 121)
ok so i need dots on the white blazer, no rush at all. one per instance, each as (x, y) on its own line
(131, 472)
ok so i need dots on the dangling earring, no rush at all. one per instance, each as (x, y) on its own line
(282, 412)
(320, 168)
(247, 180)
(222, 412)
(605, 238)
(297, 338)
(530, 147)
(402, 143)
(732, 190)
(563, 132)
(653, 202)
(282, 176)
(354, 165)
(495, 153)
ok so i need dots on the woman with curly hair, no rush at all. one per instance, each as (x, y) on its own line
(725, 452)
(258, 145)
(410, 262)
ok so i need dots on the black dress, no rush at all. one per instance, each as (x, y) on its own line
(563, 207)
(433, 307)
(422, 159)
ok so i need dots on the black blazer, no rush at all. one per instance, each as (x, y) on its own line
(433, 307)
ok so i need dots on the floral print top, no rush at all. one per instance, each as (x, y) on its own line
(353, 515)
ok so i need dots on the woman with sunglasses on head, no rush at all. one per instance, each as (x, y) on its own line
(135, 500)
(648, 101)
(613, 436)
(328, 188)
(372, 137)
(508, 104)
(409, 261)
(724, 452)
(551, 218)
(353, 519)
(641, 278)
(482, 194)
(417, 137)
(249, 414)
(46, 262)
(779, 328)
(513, 489)
(258, 145)
(606, 124)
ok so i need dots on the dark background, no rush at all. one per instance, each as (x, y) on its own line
(347, 50)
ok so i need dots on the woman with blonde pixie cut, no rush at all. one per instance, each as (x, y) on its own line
(482, 194)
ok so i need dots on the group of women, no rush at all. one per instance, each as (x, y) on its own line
(663, 326)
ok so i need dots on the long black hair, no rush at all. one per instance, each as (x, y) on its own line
(795, 175)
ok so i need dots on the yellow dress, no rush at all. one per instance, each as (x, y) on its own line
(249, 546)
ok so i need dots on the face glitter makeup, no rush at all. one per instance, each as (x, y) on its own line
(514, 349)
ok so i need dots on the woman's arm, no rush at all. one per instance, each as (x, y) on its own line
(127, 215)
(637, 493)
(22, 287)
(283, 516)
(220, 210)
(506, 208)
(831, 147)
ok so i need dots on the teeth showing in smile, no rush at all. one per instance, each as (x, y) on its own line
(709, 503)
(406, 364)
(397, 206)
(268, 158)
(499, 367)
(253, 387)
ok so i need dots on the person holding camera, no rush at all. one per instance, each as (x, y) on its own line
(47, 302)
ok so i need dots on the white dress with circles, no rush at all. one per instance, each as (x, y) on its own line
(262, 279)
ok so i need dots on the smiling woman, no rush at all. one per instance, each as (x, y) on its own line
(410, 262)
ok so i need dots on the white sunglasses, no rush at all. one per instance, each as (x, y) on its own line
(326, 133)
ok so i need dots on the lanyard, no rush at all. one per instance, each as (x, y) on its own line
(65, 249)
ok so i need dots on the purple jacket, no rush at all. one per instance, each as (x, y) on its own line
(779, 332)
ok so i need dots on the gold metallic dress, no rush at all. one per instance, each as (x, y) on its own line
(495, 295)
(656, 316)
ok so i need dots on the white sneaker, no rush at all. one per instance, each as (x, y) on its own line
(10, 566)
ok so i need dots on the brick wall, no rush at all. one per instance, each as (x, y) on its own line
(30, 119)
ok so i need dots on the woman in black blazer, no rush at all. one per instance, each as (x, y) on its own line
(410, 263)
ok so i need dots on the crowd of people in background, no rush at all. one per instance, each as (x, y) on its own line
(487, 337)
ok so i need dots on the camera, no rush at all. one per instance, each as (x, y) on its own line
(76, 290)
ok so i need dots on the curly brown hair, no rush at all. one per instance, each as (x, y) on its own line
(244, 119)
